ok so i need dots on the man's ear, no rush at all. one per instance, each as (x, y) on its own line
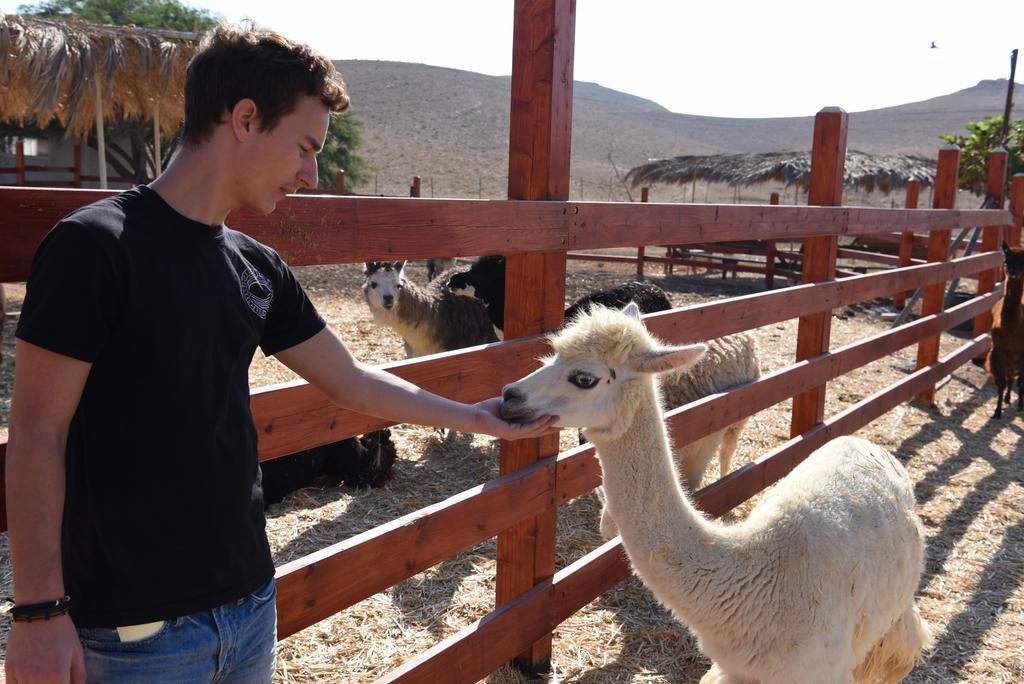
(244, 119)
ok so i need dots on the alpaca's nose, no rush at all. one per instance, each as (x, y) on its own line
(389, 300)
(512, 393)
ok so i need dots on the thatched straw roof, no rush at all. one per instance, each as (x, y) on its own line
(48, 70)
(863, 171)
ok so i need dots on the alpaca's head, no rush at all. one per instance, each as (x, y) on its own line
(1014, 261)
(383, 283)
(593, 380)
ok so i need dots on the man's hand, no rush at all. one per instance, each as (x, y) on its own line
(489, 422)
(44, 651)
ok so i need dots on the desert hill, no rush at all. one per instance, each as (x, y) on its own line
(451, 128)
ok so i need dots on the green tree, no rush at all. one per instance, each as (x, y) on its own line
(985, 136)
(344, 136)
(163, 14)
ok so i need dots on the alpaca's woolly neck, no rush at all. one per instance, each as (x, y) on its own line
(670, 543)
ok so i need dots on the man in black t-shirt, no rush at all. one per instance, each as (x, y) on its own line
(132, 477)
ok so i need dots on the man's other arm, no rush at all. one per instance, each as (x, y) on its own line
(47, 389)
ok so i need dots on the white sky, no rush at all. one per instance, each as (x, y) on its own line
(712, 57)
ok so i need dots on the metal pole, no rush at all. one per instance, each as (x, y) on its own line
(1009, 97)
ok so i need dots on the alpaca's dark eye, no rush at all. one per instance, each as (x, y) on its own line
(583, 380)
(373, 285)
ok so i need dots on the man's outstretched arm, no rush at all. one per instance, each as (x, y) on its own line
(325, 362)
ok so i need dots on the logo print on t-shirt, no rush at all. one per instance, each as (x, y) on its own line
(256, 291)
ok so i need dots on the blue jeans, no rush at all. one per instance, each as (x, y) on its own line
(232, 643)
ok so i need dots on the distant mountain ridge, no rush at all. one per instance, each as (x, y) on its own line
(451, 128)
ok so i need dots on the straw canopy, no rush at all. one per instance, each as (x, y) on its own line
(863, 171)
(48, 70)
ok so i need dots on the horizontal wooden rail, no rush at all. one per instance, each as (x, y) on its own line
(484, 646)
(729, 265)
(487, 643)
(310, 230)
(320, 584)
(861, 255)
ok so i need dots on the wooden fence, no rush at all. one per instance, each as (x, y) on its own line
(536, 227)
(22, 172)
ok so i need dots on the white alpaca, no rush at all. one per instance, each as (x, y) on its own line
(816, 586)
(728, 361)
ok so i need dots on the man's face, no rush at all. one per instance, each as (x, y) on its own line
(280, 161)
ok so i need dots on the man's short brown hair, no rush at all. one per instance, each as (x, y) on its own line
(234, 63)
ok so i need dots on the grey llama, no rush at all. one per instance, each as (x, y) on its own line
(430, 319)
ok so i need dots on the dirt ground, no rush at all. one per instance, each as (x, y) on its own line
(969, 486)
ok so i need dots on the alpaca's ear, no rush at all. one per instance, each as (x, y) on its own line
(632, 310)
(663, 359)
(398, 266)
(371, 266)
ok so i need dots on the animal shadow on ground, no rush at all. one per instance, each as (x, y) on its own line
(965, 633)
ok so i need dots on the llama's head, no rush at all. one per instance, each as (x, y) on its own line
(383, 283)
(1014, 261)
(601, 365)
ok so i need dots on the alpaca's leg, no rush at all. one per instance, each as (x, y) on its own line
(1000, 387)
(693, 459)
(1020, 392)
(607, 526)
(895, 655)
(730, 441)
(716, 676)
(998, 366)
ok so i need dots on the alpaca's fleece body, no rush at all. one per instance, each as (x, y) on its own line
(729, 361)
(816, 586)
(430, 319)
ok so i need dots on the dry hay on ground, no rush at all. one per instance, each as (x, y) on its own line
(968, 470)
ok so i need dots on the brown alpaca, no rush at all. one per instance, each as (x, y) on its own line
(1006, 358)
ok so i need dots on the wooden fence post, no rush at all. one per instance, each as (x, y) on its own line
(992, 236)
(828, 161)
(339, 182)
(414, 189)
(540, 136)
(943, 197)
(645, 194)
(1016, 208)
(899, 300)
(769, 257)
(19, 163)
